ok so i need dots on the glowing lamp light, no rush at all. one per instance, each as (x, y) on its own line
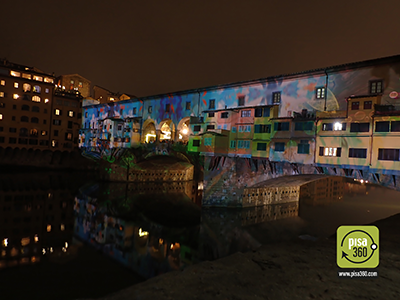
(142, 233)
(337, 126)
(148, 136)
(36, 238)
(5, 242)
(184, 131)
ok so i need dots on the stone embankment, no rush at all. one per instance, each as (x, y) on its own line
(290, 270)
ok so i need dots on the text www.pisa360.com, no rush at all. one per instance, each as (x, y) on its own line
(358, 273)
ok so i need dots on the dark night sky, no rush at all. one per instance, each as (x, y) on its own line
(151, 47)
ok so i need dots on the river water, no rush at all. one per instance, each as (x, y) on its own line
(67, 236)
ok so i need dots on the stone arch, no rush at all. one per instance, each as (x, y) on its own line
(183, 131)
(149, 132)
(166, 130)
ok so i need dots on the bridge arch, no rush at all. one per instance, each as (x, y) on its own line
(166, 130)
(149, 132)
(183, 130)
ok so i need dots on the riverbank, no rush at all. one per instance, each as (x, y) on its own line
(302, 269)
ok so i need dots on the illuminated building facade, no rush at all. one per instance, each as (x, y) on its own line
(34, 113)
(74, 82)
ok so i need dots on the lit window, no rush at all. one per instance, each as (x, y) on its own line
(246, 113)
(71, 113)
(15, 96)
(36, 99)
(47, 79)
(38, 78)
(15, 74)
(46, 100)
(276, 97)
(27, 76)
(44, 132)
(57, 112)
(337, 126)
(241, 101)
(26, 87)
(112, 99)
(16, 85)
(376, 87)
(48, 228)
(1, 94)
(320, 93)
(1, 116)
(80, 84)
(62, 227)
(36, 89)
(3, 82)
(330, 151)
(25, 241)
(46, 90)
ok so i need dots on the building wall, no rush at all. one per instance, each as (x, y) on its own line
(75, 82)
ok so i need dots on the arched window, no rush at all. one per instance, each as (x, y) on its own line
(33, 132)
(35, 108)
(26, 97)
(36, 89)
(24, 119)
(25, 107)
(34, 120)
(26, 87)
(36, 99)
(23, 132)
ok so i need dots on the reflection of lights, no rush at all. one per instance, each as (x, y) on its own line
(142, 233)
(66, 245)
(36, 238)
(5, 242)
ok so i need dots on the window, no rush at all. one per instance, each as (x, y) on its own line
(367, 104)
(211, 104)
(320, 93)
(303, 147)
(196, 128)
(54, 143)
(46, 100)
(1, 116)
(233, 129)
(69, 124)
(339, 126)
(167, 107)
(55, 133)
(25, 107)
(57, 112)
(2, 105)
(37, 78)
(12, 140)
(210, 127)
(16, 85)
(207, 141)
(24, 119)
(71, 113)
(232, 144)
(355, 105)
(327, 126)
(241, 101)
(134, 110)
(301, 126)
(245, 128)
(68, 136)
(262, 128)
(357, 153)
(262, 112)
(121, 111)
(56, 122)
(282, 126)
(119, 127)
(26, 87)
(12, 130)
(80, 84)
(395, 126)
(382, 126)
(211, 115)
(15, 96)
(188, 104)
(1, 94)
(44, 121)
(34, 120)
(279, 147)
(376, 86)
(261, 146)
(15, 73)
(276, 97)
(44, 133)
(1, 128)
(3, 82)
(150, 109)
(330, 151)
(196, 143)
(246, 113)
(389, 154)
(359, 127)
(36, 89)
(244, 144)
(36, 99)
(46, 90)
(224, 115)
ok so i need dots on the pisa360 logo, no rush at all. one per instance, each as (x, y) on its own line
(357, 247)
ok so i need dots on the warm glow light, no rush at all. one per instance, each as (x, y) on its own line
(44, 251)
(148, 136)
(51, 249)
(160, 241)
(62, 227)
(362, 180)
(337, 126)
(36, 238)
(142, 233)
(184, 131)
(25, 241)
(46, 100)
(15, 96)
(5, 242)
(66, 245)
(48, 228)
